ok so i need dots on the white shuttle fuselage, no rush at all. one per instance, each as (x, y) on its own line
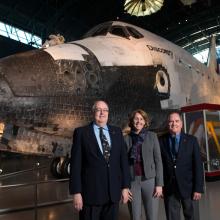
(188, 81)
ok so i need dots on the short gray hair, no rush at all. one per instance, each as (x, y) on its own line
(94, 104)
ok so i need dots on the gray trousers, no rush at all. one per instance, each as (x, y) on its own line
(142, 192)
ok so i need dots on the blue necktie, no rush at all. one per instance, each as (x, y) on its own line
(174, 147)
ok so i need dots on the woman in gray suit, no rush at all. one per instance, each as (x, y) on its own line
(145, 166)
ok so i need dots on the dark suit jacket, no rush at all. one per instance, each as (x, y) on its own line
(188, 171)
(90, 175)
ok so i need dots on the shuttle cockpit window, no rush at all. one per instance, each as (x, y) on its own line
(101, 32)
(119, 31)
(134, 33)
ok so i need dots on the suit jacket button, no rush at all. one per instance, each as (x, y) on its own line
(175, 167)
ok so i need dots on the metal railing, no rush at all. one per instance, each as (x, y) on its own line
(35, 202)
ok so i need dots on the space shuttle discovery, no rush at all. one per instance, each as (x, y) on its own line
(46, 93)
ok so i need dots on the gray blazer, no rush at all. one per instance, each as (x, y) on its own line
(151, 155)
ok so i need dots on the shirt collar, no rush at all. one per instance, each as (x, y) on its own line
(97, 127)
(177, 136)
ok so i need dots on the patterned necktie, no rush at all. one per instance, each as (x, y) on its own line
(105, 145)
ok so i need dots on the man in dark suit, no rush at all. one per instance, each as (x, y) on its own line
(99, 174)
(183, 172)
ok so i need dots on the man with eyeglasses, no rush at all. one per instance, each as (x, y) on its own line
(99, 174)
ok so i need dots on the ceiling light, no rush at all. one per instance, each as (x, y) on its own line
(142, 7)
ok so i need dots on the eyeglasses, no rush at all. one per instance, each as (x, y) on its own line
(101, 110)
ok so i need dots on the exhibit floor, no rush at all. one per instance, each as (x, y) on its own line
(35, 195)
